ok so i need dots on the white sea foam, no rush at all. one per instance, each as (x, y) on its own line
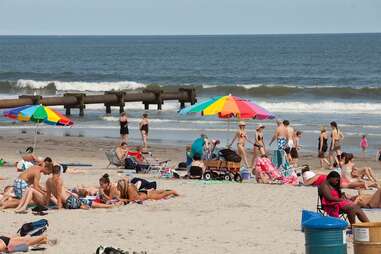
(323, 107)
(81, 86)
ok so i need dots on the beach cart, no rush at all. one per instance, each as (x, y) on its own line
(222, 170)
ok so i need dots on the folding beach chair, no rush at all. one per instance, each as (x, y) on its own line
(113, 159)
(320, 208)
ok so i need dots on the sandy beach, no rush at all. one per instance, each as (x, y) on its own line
(208, 217)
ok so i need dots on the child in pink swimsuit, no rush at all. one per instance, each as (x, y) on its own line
(364, 144)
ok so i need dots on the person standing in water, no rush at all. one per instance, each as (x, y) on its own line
(323, 147)
(143, 127)
(123, 127)
(364, 145)
(337, 138)
(241, 138)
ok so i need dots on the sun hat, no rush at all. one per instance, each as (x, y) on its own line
(241, 123)
(260, 126)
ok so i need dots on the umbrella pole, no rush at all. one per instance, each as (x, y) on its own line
(35, 137)
(227, 138)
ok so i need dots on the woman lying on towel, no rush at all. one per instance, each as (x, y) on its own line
(311, 178)
(129, 192)
(334, 202)
(21, 243)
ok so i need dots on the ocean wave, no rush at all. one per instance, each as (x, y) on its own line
(326, 107)
(292, 91)
(79, 86)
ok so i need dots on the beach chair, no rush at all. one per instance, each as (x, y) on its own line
(320, 208)
(113, 159)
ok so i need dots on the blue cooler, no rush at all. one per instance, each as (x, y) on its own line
(325, 235)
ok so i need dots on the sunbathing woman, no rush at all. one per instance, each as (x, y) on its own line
(351, 177)
(9, 244)
(335, 202)
(108, 191)
(129, 192)
(241, 137)
(358, 172)
(311, 178)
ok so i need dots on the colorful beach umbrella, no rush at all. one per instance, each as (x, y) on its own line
(227, 107)
(38, 114)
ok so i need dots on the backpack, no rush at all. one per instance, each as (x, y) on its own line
(35, 228)
(230, 155)
(109, 250)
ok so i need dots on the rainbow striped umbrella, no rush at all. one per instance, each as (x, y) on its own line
(38, 114)
(227, 107)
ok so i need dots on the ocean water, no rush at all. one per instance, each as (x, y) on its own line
(308, 79)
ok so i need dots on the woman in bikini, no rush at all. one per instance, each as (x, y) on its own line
(259, 149)
(129, 192)
(241, 138)
(108, 192)
(9, 244)
(143, 127)
(337, 138)
(353, 174)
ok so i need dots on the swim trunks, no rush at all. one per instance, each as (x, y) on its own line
(19, 187)
(282, 143)
(72, 202)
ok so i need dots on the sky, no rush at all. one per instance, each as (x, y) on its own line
(182, 17)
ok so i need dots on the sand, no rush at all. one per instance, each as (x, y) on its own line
(218, 217)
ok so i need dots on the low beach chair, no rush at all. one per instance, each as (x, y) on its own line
(113, 159)
(320, 208)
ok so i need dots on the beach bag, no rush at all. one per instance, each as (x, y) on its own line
(109, 250)
(35, 228)
(130, 163)
(230, 155)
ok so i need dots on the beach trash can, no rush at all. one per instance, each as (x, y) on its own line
(325, 235)
(307, 215)
(367, 238)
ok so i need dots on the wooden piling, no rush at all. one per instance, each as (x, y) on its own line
(119, 103)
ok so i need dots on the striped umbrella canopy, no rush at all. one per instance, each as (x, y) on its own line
(38, 114)
(229, 106)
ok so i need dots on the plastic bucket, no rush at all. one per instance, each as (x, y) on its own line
(367, 238)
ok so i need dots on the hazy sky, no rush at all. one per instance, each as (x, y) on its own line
(147, 17)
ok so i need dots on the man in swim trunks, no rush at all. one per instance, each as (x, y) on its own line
(281, 135)
(31, 177)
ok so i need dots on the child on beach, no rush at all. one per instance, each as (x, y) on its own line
(364, 144)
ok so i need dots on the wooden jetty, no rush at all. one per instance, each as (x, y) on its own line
(109, 99)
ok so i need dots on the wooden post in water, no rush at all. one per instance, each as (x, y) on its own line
(158, 98)
(191, 96)
(80, 103)
(119, 103)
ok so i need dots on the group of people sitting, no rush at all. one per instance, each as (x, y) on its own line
(345, 175)
(27, 190)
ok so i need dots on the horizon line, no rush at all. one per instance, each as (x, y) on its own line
(217, 34)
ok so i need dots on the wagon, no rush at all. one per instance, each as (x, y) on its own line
(222, 170)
